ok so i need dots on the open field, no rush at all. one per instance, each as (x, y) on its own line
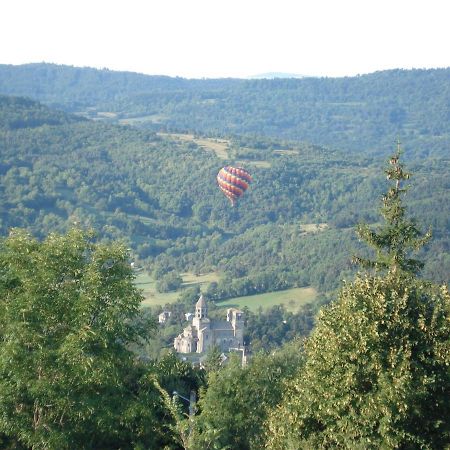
(153, 118)
(292, 299)
(256, 163)
(313, 227)
(155, 298)
(190, 279)
(106, 114)
(218, 146)
(286, 152)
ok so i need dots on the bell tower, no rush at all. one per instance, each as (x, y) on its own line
(201, 308)
(200, 319)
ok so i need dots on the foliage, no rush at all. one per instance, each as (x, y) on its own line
(171, 281)
(213, 360)
(159, 195)
(16, 112)
(235, 405)
(266, 330)
(399, 235)
(359, 113)
(376, 372)
(179, 376)
(69, 310)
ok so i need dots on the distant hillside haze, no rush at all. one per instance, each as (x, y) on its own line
(272, 75)
(362, 114)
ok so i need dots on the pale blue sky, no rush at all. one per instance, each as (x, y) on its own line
(228, 38)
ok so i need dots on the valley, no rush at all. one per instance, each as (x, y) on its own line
(114, 228)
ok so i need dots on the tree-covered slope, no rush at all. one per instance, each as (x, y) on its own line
(159, 194)
(17, 112)
(361, 114)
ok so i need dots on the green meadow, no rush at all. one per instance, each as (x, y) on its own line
(154, 298)
(292, 299)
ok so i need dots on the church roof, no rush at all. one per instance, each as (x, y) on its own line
(201, 303)
(221, 325)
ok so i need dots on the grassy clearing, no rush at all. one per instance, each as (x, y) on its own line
(154, 298)
(190, 279)
(313, 227)
(292, 299)
(107, 114)
(256, 163)
(286, 152)
(218, 146)
(153, 118)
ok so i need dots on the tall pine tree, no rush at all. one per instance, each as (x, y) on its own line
(377, 365)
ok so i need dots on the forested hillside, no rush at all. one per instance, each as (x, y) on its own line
(159, 194)
(361, 114)
(76, 368)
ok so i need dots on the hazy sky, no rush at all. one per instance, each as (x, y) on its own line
(228, 38)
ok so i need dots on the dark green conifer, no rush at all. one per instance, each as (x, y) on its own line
(399, 235)
(377, 364)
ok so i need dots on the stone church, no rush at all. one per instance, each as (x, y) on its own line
(204, 333)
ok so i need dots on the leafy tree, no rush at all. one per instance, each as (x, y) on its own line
(376, 372)
(270, 328)
(213, 360)
(177, 375)
(236, 403)
(169, 282)
(68, 312)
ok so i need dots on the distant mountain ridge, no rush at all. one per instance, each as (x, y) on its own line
(273, 75)
(365, 113)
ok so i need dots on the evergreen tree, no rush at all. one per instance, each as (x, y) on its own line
(377, 365)
(399, 235)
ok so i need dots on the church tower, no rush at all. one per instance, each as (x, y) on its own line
(236, 317)
(201, 308)
(200, 319)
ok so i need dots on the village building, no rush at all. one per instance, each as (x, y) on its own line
(204, 333)
(164, 316)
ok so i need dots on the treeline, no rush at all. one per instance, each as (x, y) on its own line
(17, 112)
(359, 113)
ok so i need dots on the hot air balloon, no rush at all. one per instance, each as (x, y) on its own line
(233, 181)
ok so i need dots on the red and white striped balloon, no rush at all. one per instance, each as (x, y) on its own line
(233, 181)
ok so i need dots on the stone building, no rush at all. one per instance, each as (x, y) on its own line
(204, 332)
(164, 316)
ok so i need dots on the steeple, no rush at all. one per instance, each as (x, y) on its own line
(201, 308)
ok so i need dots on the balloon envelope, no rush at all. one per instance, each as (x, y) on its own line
(233, 181)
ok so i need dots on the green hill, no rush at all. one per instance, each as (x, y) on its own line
(158, 193)
(362, 114)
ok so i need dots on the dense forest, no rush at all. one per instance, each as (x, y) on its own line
(159, 194)
(74, 371)
(362, 114)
